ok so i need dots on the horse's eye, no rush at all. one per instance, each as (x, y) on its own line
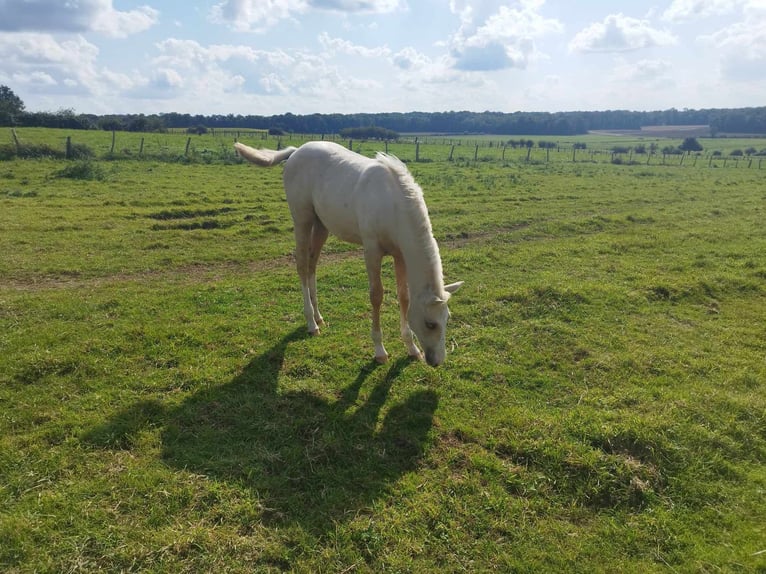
(430, 325)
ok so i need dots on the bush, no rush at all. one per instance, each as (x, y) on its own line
(86, 170)
(690, 144)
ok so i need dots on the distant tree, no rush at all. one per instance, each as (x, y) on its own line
(690, 144)
(369, 132)
(10, 106)
(111, 123)
(736, 153)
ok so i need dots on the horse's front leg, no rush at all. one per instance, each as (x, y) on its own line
(403, 294)
(373, 258)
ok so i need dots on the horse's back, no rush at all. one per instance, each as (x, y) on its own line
(329, 181)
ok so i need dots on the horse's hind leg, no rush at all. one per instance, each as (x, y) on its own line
(319, 235)
(303, 232)
(403, 294)
(373, 258)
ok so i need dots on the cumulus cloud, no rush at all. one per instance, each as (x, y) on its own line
(648, 74)
(497, 37)
(77, 17)
(259, 15)
(689, 9)
(49, 66)
(338, 45)
(742, 46)
(620, 33)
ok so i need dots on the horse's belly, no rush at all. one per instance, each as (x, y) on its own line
(340, 220)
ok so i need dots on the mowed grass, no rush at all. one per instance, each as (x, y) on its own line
(602, 407)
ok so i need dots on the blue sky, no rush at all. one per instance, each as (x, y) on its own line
(343, 56)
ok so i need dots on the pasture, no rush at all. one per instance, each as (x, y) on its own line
(602, 407)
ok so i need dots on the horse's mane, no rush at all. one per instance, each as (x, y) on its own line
(418, 212)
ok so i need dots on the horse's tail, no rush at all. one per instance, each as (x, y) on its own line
(264, 157)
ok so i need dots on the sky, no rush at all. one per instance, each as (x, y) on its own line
(266, 57)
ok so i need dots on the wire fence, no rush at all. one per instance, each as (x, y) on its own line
(216, 147)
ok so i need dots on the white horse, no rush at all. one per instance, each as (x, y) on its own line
(375, 203)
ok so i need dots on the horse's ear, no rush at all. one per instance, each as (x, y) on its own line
(453, 287)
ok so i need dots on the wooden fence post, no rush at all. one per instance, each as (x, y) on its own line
(476, 153)
(188, 143)
(451, 151)
(69, 147)
(141, 149)
(111, 151)
(417, 150)
(16, 140)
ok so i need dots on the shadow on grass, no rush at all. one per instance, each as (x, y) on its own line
(308, 460)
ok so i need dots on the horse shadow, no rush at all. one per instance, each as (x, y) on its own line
(308, 460)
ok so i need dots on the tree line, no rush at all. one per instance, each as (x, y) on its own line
(721, 121)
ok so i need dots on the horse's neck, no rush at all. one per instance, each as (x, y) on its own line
(422, 261)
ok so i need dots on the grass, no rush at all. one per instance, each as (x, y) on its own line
(601, 409)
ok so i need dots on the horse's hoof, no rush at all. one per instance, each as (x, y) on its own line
(416, 356)
(315, 333)
(381, 359)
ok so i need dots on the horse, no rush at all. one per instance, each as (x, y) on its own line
(375, 203)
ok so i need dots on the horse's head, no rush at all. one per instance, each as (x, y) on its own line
(427, 317)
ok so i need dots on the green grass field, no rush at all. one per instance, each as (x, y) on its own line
(602, 408)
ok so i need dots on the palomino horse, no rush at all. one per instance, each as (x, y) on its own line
(375, 203)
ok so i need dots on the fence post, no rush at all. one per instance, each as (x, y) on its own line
(476, 153)
(111, 151)
(69, 147)
(350, 144)
(141, 149)
(188, 143)
(503, 157)
(451, 151)
(574, 153)
(16, 140)
(417, 150)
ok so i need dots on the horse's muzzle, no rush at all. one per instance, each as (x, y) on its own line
(432, 359)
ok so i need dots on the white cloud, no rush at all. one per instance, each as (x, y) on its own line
(53, 69)
(81, 16)
(259, 15)
(502, 38)
(690, 9)
(643, 74)
(742, 46)
(620, 33)
(338, 45)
